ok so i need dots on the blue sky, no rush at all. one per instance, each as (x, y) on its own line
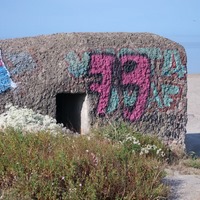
(178, 20)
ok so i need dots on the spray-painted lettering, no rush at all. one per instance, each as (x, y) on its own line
(78, 67)
(136, 74)
(125, 82)
(172, 64)
(102, 64)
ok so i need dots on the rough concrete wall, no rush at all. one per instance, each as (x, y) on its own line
(134, 77)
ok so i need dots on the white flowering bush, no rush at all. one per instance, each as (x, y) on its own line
(26, 120)
(153, 149)
(135, 143)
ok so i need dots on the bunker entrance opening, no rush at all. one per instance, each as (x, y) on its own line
(69, 108)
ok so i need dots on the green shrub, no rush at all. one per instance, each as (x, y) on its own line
(47, 166)
(192, 162)
(134, 142)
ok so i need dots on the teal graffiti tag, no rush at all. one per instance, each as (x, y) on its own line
(152, 53)
(114, 101)
(168, 69)
(155, 97)
(130, 99)
(109, 51)
(168, 90)
(125, 51)
(78, 67)
(22, 62)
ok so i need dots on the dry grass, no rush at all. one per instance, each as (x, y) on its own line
(45, 166)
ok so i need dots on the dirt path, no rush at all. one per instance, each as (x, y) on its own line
(186, 185)
(183, 187)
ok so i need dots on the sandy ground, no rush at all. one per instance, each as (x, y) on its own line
(193, 126)
(187, 187)
(193, 108)
(184, 187)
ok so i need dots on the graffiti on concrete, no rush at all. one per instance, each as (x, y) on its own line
(5, 80)
(102, 64)
(172, 64)
(165, 97)
(78, 67)
(136, 78)
(123, 79)
(133, 82)
(21, 62)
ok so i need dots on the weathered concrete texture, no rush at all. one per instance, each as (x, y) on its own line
(134, 77)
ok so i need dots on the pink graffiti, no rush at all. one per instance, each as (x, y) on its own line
(139, 76)
(135, 71)
(102, 65)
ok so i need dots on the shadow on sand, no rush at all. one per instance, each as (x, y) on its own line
(192, 142)
(174, 185)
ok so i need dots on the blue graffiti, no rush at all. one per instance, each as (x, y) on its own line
(168, 69)
(5, 80)
(114, 101)
(152, 53)
(155, 98)
(78, 68)
(22, 62)
(130, 99)
(167, 91)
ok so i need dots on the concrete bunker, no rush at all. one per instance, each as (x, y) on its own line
(72, 111)
(139, 78)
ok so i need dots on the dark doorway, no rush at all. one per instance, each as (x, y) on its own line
(68, 110)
